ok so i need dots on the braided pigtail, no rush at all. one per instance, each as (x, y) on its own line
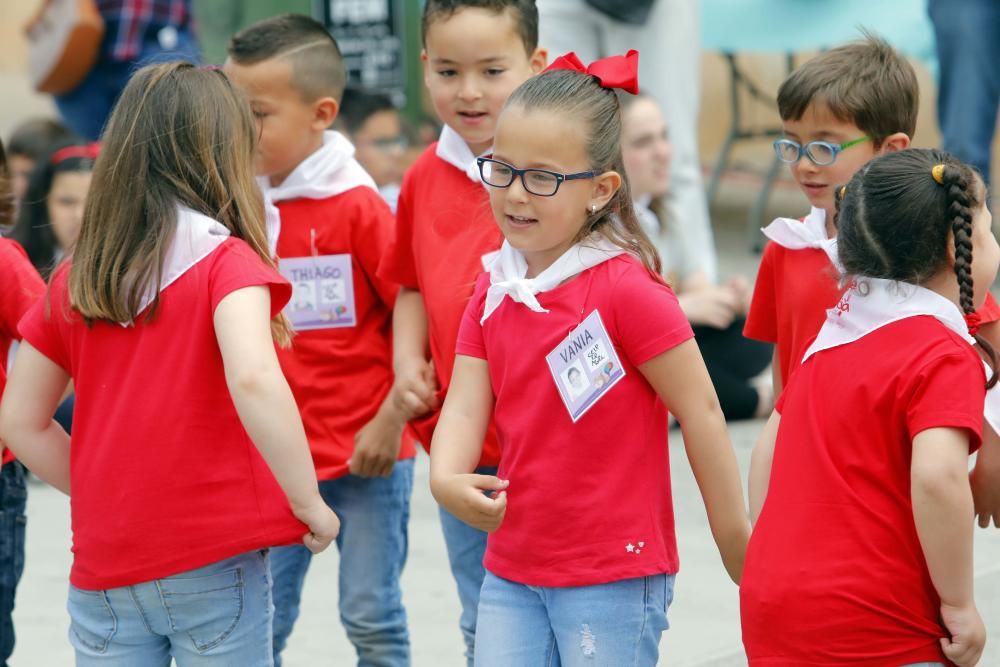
(957, 184)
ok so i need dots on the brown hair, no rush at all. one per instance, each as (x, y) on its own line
(865, 82)
(524, 12)
(317, 64)
(894, 219)
(177, 135)
(6, 193)
(580, 96)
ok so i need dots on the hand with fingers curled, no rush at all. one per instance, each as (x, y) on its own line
(478, 500)
(322, 522)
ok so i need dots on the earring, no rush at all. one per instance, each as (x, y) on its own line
(593, 208)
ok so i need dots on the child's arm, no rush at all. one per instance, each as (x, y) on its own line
(679, 377)
(267, 408)
(760, 465)
(776, 382)
(34, 389)
(942, 507)
(415, 384)
(458, 444)
(985, 479)
(376, 445)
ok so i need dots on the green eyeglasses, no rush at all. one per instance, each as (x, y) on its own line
(820, 153)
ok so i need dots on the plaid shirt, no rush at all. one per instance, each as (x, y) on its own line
(130, 22)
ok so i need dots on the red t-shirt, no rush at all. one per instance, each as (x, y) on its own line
(165, 478)
(793, 291)
(580, 494)
(341, 376)
(444, 227)
(20, 287)
(834, 573)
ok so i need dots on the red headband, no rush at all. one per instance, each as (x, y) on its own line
(612, 72)
(89, 151)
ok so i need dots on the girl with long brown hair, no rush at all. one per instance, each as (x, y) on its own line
(188, 457)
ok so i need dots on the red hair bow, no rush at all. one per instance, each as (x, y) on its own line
(973, 320)
(612, 72)
(89, 151)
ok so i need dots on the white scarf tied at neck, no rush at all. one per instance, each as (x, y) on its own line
(507, 274)
(807, 233)
(451, 148)
(330, 171)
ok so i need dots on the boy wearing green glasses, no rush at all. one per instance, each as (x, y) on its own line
(838, 111)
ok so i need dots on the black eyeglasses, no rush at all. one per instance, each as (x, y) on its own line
(541, 182)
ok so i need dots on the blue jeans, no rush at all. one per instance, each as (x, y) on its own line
(609, 624)
(86, 108)
(374, 515)
(466, 549)
(216, 616)
(967, 33)
(13, 495)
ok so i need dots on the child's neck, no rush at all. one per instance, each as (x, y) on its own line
(944, 283)
(831, 229)
(314, 145)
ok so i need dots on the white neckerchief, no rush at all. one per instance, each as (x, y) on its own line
(328, 172)
(809, 232)
(508, 271)
(196, 236)
(872, 303)
(451, 148)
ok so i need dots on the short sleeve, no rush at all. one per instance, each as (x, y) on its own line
(470, 332)
(762, 319)
(235, 266)
(397, 264)
(647, 318)
(46, 323)
(990, 312)
(948, 392)
(20, 287)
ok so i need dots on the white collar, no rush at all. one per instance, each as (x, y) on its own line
(195, 237)
(508, 271)
(451, 148)
(869, 304)
(809, 232)
(330, 171)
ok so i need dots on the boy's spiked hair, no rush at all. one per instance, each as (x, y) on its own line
(866, 82)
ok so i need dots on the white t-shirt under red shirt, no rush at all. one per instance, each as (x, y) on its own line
(580, 493)
(835, 574)
(164, 477)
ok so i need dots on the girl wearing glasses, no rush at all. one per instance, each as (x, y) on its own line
(582, 552)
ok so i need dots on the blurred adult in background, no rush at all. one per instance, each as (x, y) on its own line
(373, 124)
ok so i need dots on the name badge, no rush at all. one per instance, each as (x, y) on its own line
(322, 291)
(585, 366)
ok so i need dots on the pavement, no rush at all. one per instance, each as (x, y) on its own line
(704, 617)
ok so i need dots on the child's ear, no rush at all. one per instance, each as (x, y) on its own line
(539, 60)
(325, 111)
(895, 142)
(604, 187)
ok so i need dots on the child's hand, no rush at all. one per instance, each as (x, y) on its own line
(414, 388)
(463, 496)
(323, 525)
(376, 445)
(968, 634)
(986, 495)
(714, 307)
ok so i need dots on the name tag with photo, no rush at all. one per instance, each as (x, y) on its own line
(322, 292)
(585, 366)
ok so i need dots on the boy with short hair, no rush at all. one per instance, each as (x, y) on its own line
(372, 122)
(329, 227)
(476, 52)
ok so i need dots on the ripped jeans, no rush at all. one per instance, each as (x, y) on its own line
(609, 624)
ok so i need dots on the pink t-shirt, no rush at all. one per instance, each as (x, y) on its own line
(589, 502)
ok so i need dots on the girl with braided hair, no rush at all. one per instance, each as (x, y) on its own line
(867, 488)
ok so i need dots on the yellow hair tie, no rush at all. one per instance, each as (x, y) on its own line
(938, 173)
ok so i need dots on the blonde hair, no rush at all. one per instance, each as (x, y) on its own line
(178, 135)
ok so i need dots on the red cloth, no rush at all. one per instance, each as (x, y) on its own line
(20, 287)
(165, 478)
(444, 226)
(834, 573)
(580, 494)
(341, 376)
(793, 291)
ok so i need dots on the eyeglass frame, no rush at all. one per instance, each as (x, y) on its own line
(519, 173)
(804, 149)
